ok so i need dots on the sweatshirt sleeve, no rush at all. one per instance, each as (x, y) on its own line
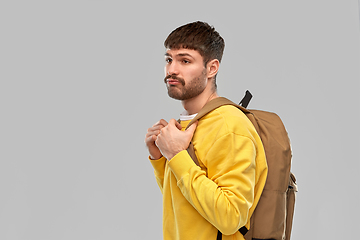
(159, 170)
(225, 196)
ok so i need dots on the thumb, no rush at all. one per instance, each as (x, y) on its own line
(192, 128)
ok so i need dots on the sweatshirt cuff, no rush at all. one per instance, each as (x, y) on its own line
(158, 165)
(181, 164)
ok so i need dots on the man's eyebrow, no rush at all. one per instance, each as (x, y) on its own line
(184, 55)
(179, 55)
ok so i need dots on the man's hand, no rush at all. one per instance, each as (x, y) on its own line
(151, 137)
(172, 140)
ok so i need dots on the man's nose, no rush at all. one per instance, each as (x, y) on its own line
(172, 69)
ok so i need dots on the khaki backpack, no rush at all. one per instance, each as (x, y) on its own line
(273, 216)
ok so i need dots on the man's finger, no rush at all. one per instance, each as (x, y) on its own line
(162, 122)
(178, 125)
(150, 139)
(173, 121)
(192, 128)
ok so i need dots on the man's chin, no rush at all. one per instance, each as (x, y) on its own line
(174, 96)
(174, 93)
(178, 95)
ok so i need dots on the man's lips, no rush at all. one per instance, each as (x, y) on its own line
(173, 82)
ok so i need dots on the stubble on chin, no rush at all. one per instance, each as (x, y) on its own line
(185, 92)
(175, 92)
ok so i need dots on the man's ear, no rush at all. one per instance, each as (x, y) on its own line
(212, 68)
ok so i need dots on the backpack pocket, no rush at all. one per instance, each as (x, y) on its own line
(273, 216)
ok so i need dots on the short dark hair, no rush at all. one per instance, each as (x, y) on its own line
(198, 36)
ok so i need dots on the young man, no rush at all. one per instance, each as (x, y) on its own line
(222, 192)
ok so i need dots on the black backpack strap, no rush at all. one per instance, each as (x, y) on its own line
(242, 230)
(246, 99)
(219, 235)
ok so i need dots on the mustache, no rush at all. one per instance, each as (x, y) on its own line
(175, 78)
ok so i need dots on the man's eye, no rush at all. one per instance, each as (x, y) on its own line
(168, 60)
(186, 61)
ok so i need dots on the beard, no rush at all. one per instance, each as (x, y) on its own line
(187, 91)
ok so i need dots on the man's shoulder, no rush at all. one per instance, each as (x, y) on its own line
(230, 119)
(228, 113)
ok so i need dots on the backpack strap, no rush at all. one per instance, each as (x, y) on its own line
(210, 106)
(191, 151)
(214, 104)
(245, 101)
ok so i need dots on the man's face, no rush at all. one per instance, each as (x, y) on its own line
(186, 76)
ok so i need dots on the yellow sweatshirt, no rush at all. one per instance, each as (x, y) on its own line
(223, 192)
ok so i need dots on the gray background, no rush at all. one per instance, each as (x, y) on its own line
(81, 81)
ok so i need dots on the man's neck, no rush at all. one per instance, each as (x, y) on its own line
(194, 105)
